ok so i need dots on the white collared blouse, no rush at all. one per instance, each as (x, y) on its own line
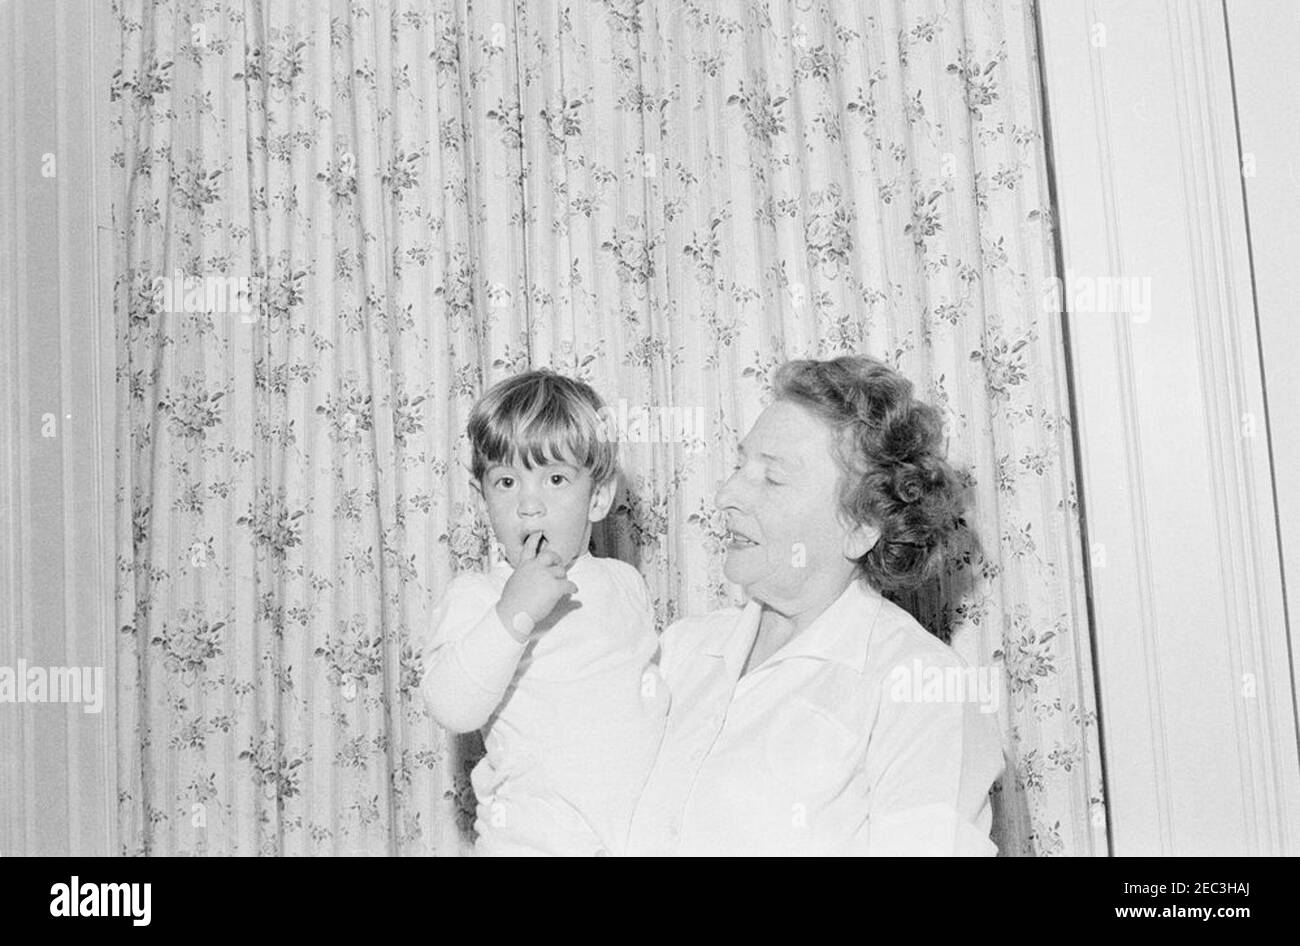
(826, 748)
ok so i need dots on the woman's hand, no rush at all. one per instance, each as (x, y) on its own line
(537, 585)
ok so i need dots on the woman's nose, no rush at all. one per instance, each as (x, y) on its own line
(728, 493)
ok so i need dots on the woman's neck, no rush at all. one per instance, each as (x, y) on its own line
(778, 625)
(775, 630)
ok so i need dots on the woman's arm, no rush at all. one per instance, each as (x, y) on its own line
(930, 766)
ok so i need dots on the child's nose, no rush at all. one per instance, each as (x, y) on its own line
(530, 504)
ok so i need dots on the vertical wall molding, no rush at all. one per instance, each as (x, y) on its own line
(1263, 36)
(57, 794)
(1148, 620)
(1193, 661)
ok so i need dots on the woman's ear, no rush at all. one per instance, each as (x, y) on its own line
(860, 540)
(602, 497)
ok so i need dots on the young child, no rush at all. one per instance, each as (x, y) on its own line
(551, 654)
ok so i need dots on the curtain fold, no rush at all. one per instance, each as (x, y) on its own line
(665, 199)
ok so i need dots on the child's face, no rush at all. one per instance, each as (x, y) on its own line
(559, 499)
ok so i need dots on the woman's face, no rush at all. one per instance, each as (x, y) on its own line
(788, 540)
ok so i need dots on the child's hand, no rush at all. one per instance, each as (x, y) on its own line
(537, 585)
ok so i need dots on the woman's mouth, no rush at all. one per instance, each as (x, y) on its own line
(737, 541)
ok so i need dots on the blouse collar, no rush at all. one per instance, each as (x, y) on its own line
(841, 633)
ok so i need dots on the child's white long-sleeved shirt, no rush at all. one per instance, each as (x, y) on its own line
(572, 719)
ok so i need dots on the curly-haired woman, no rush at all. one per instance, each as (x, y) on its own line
(794, 727)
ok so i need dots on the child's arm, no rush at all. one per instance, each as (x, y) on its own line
(475, 653)
(471, 661)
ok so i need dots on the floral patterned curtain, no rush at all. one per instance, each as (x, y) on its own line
(411, 200)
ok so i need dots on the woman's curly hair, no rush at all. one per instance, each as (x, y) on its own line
(891, 451)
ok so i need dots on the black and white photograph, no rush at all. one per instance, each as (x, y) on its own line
(651, 428)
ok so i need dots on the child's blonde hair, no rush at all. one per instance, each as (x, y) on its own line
(538, 416)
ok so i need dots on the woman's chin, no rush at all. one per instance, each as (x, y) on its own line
(741, 564)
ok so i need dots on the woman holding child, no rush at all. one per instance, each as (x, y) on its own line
(784, 736)
(782, 733)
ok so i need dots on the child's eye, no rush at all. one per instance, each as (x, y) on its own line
(505, 482)
(558, 479)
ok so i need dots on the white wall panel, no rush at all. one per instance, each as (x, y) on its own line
(1198, 723)
(1264, 36)
(56, 417)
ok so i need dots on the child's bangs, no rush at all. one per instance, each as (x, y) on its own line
(538, 418)
(551, 431)
(552, 436)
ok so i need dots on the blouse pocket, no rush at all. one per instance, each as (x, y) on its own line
(809, 752)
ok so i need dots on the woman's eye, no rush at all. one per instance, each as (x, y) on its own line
(774, 482)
